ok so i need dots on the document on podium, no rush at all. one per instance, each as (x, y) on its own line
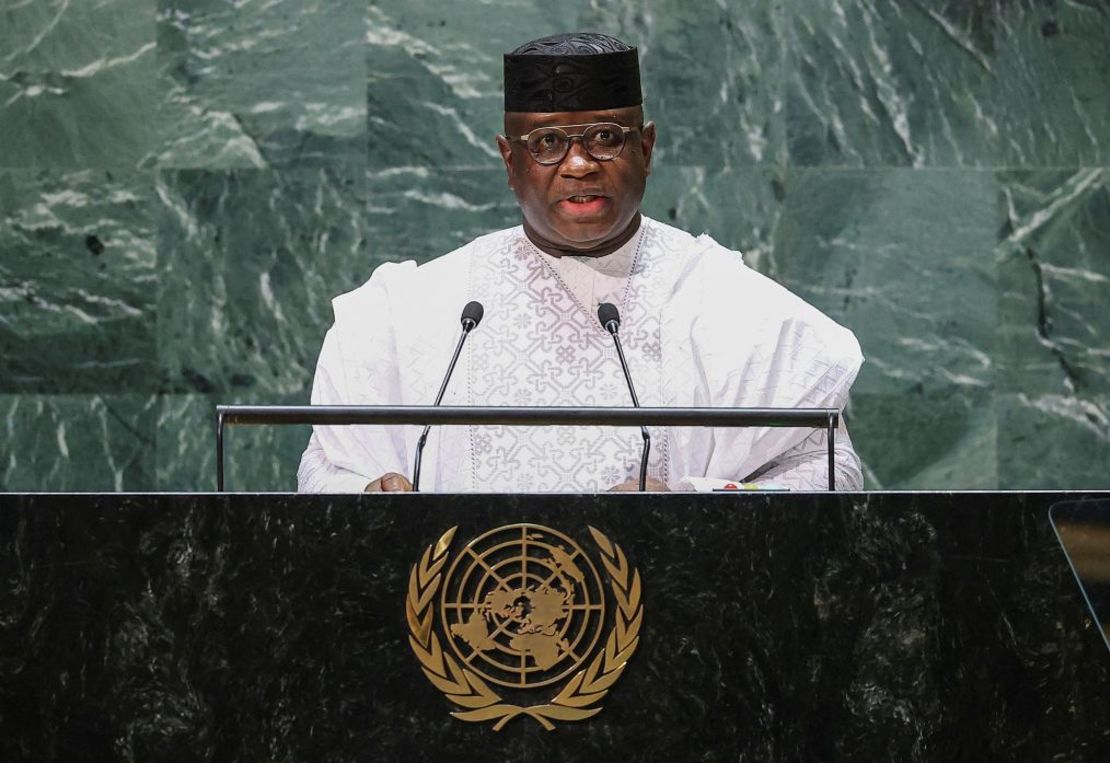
(713, 485)
(1083, 528)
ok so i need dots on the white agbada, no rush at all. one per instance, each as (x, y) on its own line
(699, 328)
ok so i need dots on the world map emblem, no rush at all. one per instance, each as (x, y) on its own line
(524, 613)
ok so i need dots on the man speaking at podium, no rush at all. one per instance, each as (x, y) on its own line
(699, 328)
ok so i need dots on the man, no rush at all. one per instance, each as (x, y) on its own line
(699, 328)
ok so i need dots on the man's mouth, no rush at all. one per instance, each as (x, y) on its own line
(584, 205)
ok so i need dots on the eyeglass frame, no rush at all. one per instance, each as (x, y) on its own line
(570, 139)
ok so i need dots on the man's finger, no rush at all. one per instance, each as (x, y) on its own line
(391, 482)
(653, 485)
(396, 483)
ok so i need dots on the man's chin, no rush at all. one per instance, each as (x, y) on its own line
(586, 235)
(600, 246)
(579, 237)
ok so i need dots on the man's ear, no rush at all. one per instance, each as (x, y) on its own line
(506, 149)
(647, 144)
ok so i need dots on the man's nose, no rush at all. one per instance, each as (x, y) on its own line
(578, 162)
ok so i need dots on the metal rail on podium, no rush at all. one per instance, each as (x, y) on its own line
(347, 415)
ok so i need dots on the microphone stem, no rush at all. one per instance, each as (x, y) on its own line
(636, 404)
(624, 367)
(467, 326)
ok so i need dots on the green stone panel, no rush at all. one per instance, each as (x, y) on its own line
(1054, 270)
(261, 84)
(712, 75)
(416, 119)
(77, 442)
(417, 214)
(249, 262)
(1048, 441)
(739, 208)
(77, 83)
(434, 87)
(883, 82)
(289, 148)
(434, 77)
(1050, 102)
(256, 458)
(926, 441)
(905, 258)
(77, 278)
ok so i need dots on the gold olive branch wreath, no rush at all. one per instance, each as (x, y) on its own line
(466, 689)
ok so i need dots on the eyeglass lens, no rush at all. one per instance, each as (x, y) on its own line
(603, 141)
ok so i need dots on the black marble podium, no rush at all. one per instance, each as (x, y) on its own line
(941, 626)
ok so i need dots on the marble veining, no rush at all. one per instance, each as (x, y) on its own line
(184, 186)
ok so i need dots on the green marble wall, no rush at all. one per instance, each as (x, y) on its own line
(184, 185)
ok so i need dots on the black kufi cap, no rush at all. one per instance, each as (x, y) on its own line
(582, 71)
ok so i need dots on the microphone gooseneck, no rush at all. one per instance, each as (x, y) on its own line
(610, 319)
(470, 318)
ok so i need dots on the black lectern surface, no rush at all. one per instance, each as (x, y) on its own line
(941, 626)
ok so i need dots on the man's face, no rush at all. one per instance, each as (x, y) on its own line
(580, 205)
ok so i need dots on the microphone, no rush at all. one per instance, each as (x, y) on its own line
(610, 320)
(470, 318)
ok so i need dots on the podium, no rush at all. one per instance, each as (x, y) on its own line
(807, 626)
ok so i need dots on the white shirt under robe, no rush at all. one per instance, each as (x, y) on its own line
(699, 329)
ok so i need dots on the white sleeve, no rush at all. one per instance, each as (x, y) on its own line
(800, 368)
(317, 475)
(744, 341)
(806, 465)
(357, 366)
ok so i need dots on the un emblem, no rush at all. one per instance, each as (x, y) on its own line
(523, 607)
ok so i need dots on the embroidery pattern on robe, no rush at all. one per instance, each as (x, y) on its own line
(543, 348)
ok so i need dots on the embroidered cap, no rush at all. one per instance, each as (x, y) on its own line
(581, 71)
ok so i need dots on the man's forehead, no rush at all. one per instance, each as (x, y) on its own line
(535, 119)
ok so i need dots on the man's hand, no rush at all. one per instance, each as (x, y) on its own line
(652, 485)
(391, 482)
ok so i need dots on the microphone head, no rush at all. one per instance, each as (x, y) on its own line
(472, 314)
(609, 317)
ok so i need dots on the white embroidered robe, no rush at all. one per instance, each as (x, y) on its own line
(699, 328)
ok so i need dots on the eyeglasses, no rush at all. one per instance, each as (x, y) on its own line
(603, 141)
